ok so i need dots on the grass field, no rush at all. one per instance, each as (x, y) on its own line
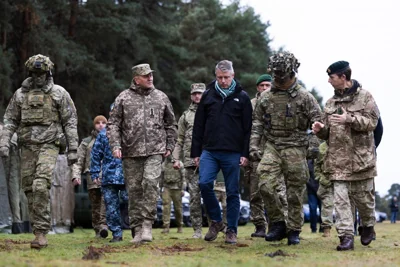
(180, 250)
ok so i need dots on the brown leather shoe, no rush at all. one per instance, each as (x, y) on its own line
(346, 243)
(260, 231)
(214, 229)
(367, 235)
(231, 237)
(40, 241)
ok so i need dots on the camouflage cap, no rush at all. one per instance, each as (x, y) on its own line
(39, 63)
(284, 62)
(197, 88)
(141, 69)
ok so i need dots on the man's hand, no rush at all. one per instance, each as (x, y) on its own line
(97, 181)
(243, 162)
(167, 154)
(317, 126)
(76, 181)
(117, 153)
(339, 119)
(197, 161)
(72, 157)
(177, 165)
(255, 155)
(4, 152)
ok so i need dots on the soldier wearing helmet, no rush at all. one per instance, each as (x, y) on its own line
(44, 117)
(282, 117)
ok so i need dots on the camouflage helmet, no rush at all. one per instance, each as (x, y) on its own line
(39, 63)
(283, 63)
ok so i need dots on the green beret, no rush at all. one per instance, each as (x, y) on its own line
(337, 67)
(264, 78)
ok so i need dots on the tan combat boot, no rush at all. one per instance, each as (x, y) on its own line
(40, 241)
(180, 230)
(137, 239)
(146, 231)
(166, 229)
(197, 234)
(327, 232)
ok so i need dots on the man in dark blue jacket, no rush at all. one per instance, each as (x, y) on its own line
(221, 135)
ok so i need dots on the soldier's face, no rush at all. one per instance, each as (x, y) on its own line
(196, 97)
(339, 83)
(264, 86)
(145, 81)
(224, 78)
(39, 78)
(100, 125)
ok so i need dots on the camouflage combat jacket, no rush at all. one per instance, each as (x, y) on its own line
(283, 117)
(40, 115)
(142, 123)
(82, 166)
(184, 142)
(262, 142)
(320, 174)
(351, 148)
(171, 178)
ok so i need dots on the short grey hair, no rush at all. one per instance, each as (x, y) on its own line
(225, 65)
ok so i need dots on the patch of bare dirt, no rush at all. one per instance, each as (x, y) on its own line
(177, 248)
(279, 253)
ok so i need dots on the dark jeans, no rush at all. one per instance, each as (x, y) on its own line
(393, 217)
(314, 203)
(211, 162)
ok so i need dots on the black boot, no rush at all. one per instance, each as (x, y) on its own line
(133, 232)
(276, 231)
(367, 235)
(27, 227)
(17, 228)
(293, 238)
(116, 239)
(346, 243)
(260, 231)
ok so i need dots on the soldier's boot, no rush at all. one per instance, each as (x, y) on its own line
(136, 235)
(230, 237)
(116, 239)
(214, 229)
(293, 238)
(346, 243)
(40, 241)
(197, 233)
(165, 229)
(96, 234)
(327, 232)
(367, 235)
(276, 231)
(259, 232)
(180, 230)
(146, 231)
(103, 233)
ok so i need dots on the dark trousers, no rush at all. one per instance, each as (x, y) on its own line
(211, 162)
(314, 203)
(393, 217)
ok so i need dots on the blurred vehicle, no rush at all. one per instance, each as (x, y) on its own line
(306, 211)
(380, 216)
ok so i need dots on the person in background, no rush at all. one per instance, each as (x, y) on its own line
(394, 209)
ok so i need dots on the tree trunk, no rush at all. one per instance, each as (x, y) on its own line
(73, 17)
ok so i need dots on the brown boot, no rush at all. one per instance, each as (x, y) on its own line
(367, 235)
(260, 231)
(214, 229)
(40, 241)
(180, 230)
(327, 232)
(231, 237)
(165, 229)
(346, 243)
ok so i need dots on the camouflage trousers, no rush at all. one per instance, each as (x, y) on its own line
(16, 196)
(112, 194)
(192, 180)
(325, 193)
(361, 193)
(221, 197)
(176, 196)
(289, 163)
(98, 209)
(37, 167)
(142, 175)
(257, 210)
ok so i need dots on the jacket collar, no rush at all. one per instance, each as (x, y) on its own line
(139, 90)
(238, 88)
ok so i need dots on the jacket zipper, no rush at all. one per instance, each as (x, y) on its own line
(144, 122)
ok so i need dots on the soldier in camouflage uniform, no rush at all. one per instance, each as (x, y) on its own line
(325, 191)
(173, 186)
(16, 196)
(142, 129)
(82, 166)
(350, 118)
(183, 146)
(283, 116)
(44, 116)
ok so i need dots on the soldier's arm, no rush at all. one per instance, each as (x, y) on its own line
(257, 129)
(198, 128)
(77, 168)
(114, 124)
(182, 173)
(181, 138)
(319, 162)
(313, 144)
(170, 125)
(69, 121)
(314, 110)
(96, 157)
(12, 119)
(368, 119)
